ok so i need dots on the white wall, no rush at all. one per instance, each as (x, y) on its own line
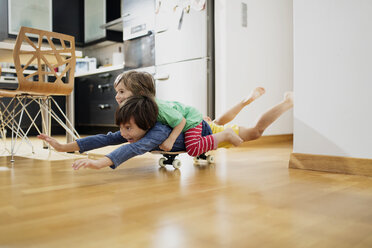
(260, 54)
(332, 77)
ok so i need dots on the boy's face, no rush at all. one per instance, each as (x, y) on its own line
(122, 93)
(131, 132)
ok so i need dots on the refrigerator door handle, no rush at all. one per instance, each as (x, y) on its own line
(161, 29)
(138, 35)
(125, 15)
(161, 76)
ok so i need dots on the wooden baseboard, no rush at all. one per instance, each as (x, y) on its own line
(270, 139)
(335, 164)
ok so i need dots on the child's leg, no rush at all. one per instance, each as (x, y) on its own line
(197, 144)
(231, 113)
(267, 119)
(228, 135)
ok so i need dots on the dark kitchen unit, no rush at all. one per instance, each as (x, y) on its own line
(95, 103)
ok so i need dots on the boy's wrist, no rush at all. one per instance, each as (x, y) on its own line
(104, 162)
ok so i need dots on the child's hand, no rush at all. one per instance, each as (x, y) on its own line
(91, 163)
(86, 163)
(167, 145)
(53, 142)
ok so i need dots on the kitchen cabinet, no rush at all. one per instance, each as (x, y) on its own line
(84, 19)
(79, 18)
(184, 82)
(68, 18)
(17, 13)
(36, 14)
(96, 14)
(94, 17)
(95, 103)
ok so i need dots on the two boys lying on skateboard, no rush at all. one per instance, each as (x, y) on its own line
(148, 124)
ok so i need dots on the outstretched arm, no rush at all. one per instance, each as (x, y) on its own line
(100, 140)
(69, 147)
(151, 141)
(85, 144)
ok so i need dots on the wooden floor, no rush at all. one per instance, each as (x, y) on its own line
(249, 198)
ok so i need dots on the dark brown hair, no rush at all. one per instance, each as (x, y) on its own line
(139, 83)
(143, 109)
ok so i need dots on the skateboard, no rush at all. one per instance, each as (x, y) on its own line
(170, 158)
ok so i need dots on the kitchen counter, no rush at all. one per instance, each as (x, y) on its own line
(100, 70)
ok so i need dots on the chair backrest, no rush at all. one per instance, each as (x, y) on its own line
(48, 57)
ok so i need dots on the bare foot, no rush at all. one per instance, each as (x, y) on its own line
(207, 118)
(256, 93)
(232, 137)
(288, 97)
(228, 135)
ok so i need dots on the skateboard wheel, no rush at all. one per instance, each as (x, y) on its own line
(176, 163)
(210, 159)
(161, 162)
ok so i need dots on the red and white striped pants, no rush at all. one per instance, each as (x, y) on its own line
(195, 143)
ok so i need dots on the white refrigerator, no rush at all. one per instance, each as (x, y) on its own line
(184, 53)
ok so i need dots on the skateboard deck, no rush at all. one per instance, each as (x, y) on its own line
(170, 158)
(171, 153)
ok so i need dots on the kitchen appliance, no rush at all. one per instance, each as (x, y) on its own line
(185, 53)
(139, 52)
(85, 64)
(9, 82)
(138, 28)
(118, 57)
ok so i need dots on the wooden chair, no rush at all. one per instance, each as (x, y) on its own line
(37, 87)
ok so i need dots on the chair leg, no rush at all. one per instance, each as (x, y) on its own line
(45, 118)
(70, 105)
(13, 141)
(15, 127)
(68, 125)
(10, 115)
(33, 124)
(3, 126)
(15, 117)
